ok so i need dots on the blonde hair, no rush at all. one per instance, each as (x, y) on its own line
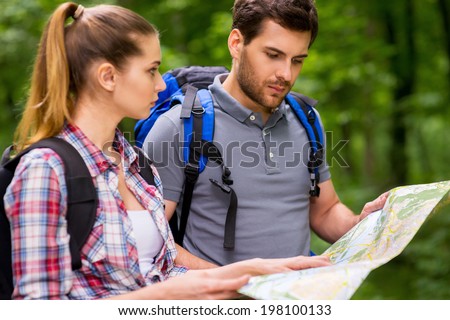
(64, 55)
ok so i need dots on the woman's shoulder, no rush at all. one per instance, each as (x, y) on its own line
(38, 177)
(41, 161)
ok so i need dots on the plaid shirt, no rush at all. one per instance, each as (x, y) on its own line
(36, 205)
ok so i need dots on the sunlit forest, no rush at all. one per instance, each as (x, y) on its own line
(380, 71)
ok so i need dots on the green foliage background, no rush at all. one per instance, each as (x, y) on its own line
(381, 71)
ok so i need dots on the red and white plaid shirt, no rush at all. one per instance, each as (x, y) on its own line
(36, 205)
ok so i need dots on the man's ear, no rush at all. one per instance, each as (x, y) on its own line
(235, 43)
(106, 76)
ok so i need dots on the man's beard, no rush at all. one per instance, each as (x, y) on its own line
(249, 85)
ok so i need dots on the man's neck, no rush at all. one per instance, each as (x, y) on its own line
(231, 86)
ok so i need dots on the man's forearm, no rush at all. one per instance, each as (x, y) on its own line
(337, 222)
(187, 259)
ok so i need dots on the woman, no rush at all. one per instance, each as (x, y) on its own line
(88, 76)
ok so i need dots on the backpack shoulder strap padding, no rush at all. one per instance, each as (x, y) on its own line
(198, 76)
(201, 124)
(197, 114)
(81, 194)
(303, 109)
(81, 208)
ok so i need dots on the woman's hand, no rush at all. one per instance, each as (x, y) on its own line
(194, 285)
(222, 282)
(204, 285)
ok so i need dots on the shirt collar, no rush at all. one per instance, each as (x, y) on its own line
(231, 106)
(96, 160)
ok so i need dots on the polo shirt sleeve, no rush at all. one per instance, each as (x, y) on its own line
(163, 146)
(35, 203)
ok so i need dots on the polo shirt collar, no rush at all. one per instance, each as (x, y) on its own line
(231, 106)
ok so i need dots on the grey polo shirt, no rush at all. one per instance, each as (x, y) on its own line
(268, 168)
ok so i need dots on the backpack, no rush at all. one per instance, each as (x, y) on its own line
(177, 82)
(81, 197)
(188, 86)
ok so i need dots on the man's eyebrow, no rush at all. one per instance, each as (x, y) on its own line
(281, 52)
(157, 62)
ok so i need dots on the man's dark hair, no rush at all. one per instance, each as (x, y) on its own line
(297, 15)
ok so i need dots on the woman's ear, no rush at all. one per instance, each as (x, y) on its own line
(106, 76)
(235, 43)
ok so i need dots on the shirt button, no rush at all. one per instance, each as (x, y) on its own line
(252, 117)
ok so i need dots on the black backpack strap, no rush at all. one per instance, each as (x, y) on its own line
(211, 151)
(230, 221)
(192, 169)
(146, 171)
(81, 194)
(197, 148)
(188, 102)
(6, 277)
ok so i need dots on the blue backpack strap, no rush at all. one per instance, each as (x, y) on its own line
(308, 118)
(198, 147)
(198, 122)
(206, 109)
(208, 121)
(207, 150)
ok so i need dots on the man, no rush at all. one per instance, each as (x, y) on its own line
(261, 141)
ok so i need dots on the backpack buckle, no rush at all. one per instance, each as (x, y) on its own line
(226, 176)
(311, 116)
(191, 172)
(198, 110)
(314, 190)
(315, 158)
(223, 187)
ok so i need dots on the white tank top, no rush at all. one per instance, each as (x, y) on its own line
(148, 239)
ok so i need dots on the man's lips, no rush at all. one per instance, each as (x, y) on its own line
(278, 89)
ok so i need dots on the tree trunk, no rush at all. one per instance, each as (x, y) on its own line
(444, 10)
(401, 36)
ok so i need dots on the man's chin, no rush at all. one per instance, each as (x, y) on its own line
(273, 102)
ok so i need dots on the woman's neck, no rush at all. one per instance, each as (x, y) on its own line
(95, 122)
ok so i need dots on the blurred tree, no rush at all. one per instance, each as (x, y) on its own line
(18, 37)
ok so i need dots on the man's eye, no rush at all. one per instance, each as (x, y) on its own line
(272, 55)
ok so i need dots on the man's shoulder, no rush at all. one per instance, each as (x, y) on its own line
(170, 118)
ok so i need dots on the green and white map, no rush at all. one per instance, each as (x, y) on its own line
(373, 242)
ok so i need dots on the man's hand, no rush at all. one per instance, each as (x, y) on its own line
(373, 206)
(269, 266)
(257, 266)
